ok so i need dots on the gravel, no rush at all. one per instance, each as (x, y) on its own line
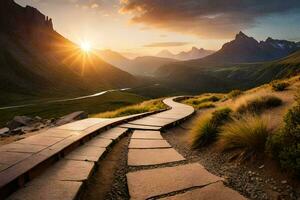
(248, 180)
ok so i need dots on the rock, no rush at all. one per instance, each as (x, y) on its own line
(284, 182)
(19, 121)
(262, 166)
(4, 131)
(71, 117)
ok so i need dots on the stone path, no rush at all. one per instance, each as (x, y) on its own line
(55, 164)
(23, 160)
(179, 182)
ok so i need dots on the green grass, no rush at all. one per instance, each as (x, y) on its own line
(259, 104)
(106, 102)
(146, 106)
(207, 127)
(248, 134)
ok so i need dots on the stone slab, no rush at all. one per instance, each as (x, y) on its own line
(82, 124)
(141, 127)
(148, 144)
(22, 148)
(154, 135)
(40, 140)
(70, 170)
(151, 122)
(142, 157)
(42, 188)
(99, 142)
(11, 158)
(3, 167)
(113, 133)
(145, 184)
(86, 153)
(211, 192)
(54, 132)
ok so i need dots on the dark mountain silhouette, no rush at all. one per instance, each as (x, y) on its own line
(143, 65)
(194, 53)
(35, 59)
(246, 49)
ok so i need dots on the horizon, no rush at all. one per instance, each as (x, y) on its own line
(94, 24)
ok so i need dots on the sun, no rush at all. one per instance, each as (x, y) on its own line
(85, 46)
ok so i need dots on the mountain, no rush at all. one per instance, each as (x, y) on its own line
(226, 77)
(194, 53)
(36, 60)
(244, 49)
(142, 66)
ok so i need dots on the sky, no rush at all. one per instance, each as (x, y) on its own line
(145, 27)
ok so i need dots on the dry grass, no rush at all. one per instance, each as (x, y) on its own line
(207, 127)
(248, 134)
(146, 106)
(257, 104)
(202, 101)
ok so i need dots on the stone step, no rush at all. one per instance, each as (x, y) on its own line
(23, 160)
(213, 191)
(143, 157)
(65, 178)
(150, 183)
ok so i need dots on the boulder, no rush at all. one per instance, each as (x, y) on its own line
(19, 121)
(71, 117)
(4, 131)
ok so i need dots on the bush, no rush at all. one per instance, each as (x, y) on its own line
(234, 93)
(195, 102)
(259, 104)
(285, 145)
(248, 134)
(206, 105)
(279, 86)
(208, 127)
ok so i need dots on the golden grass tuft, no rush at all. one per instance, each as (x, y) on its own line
(257, 104)
(248, 134)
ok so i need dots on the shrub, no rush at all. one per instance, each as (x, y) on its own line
(285, 145)
(248, 134)
(259, 104)
(213, 99)
(206, 105)
(279, 86)
(208, 127)
(234, 93)
(198, 101)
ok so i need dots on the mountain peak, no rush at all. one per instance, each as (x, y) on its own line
(241, 35)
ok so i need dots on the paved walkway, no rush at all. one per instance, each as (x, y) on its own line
(179, 182)
(55, 164)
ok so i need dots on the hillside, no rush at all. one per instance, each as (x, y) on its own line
(36, 61)
(220, 78)
(142, 66)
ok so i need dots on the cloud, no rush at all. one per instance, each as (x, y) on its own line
(166, 44)
(205, 18)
